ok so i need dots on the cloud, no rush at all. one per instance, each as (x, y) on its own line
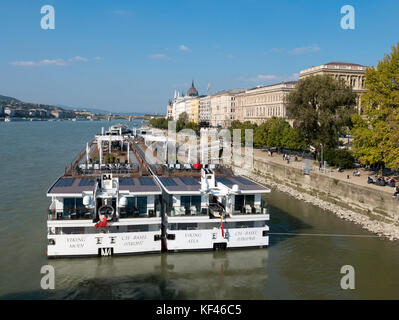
(23, 63)
(270, 77)
(59, 62)
(229, 56)
(278, 50)
(78, 58)
(182, 47)
(45, 62)
(158, 56)
(261, 77)
(53, 62)
(302, 50)
(299, 50)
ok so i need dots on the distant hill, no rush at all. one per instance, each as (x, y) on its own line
(98, 111)
(8, 99)
(101, 111)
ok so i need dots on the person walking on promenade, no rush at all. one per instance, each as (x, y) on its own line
(396, 192)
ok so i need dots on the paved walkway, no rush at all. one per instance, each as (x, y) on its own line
(262, 155)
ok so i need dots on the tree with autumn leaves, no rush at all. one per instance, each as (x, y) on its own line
(376, 132)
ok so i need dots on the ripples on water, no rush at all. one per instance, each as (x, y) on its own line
(301, 266)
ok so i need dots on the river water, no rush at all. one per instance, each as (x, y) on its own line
(308, 246)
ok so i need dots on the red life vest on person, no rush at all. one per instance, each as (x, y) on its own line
(101, 224)
(197, 166)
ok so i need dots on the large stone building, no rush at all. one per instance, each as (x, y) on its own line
(223, 107)
(205, 110)
(194, 109)
(258, 104)
(182, 103)
(170, 110)
(351, 73)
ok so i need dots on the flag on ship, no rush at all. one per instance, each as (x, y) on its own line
(221, 226)
(101, 224)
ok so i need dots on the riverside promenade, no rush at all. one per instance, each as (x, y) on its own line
(352, 199)
(262, 155)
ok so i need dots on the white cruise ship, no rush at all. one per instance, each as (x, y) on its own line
(208, 208)
(106, 203)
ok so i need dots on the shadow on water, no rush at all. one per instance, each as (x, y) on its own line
(281, 221)
(195, 275)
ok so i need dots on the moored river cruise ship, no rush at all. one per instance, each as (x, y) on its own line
(106, 203)
(207, 207)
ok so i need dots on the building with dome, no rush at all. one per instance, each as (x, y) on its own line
(182, 103)
(192, 92)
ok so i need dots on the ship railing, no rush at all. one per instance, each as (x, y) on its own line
(71, 214)
(250, 209)
(194, 210)
(139, 212)
(103, 169)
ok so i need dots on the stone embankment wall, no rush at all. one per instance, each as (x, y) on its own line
(375, 210)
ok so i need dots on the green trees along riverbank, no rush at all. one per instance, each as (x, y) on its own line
(376, 133)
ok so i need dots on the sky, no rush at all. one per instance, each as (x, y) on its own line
(130, 56)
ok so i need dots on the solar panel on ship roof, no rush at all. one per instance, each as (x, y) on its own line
(147, 182)
(245, 181)
(86, 182)
(65, 183)
(126, 182)
(224, 181)
(189, 181)
(168, 182)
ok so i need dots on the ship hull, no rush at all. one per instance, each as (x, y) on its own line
(207, 233)
(105, 241)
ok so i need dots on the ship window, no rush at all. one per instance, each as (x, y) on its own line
(73, 230)
(183, 226)
(69, 203)
(188, 201)
(138, 228)
(131, 202)
(142, 204)
(250, 199)
(79, 203)
(238, 202)
(244, 224)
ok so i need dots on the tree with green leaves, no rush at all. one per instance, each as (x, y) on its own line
(277, 132)
(182, 121)
(159, 122)
(376, 133)
(193, 126)
(242, 126)
(320, 107)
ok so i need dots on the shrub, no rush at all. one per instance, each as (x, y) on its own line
(338, 158)
(109, 158)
